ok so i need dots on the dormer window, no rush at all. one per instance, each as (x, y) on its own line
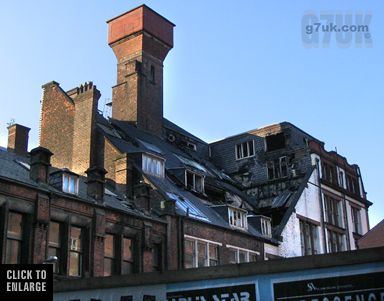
(266, 226)
(194, 181)
(238, 218)
(153, 165)
(245, 150)
(70, 183)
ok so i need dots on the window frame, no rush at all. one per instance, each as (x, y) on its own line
(153, 165)
(110, 258)
(237, 216)
(309, 238)
(333, 211)
(247, 253)
(79, 252)
(265, 225)
(194, 174)
(239, 149)
(125, 260)
(58, 247)
(70, 177)
(356, 220)
(208, 260)
(276, 169)
(10, 237)
(336, 241)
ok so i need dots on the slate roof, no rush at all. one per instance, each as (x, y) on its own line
(16, 168)
(127, 138)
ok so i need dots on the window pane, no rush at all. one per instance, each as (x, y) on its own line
(15, 225)
(54, 234)
(108, 266)
(127, 268)
(74, 264)
(202, 254)
(239, 154)
(213, 255)
(65, 183)
(13, 251)
(245, 149)
(250, 146)
(54, 252)
(232, 256)
(198, 183)
(109, 246)
(252, 257)
(190, 179)
(71, 187)
(75, 238)
(127, 249)
(156, 257)
(189, 249)
(242, 256)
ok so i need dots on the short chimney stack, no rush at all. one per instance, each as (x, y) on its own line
(96, 182)
(18, 136)
(40, 163)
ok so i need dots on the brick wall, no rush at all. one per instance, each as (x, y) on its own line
(57, 124)
(224, 236)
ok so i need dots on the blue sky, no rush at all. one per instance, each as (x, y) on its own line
(235, 66)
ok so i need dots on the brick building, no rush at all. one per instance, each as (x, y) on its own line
(136, 193)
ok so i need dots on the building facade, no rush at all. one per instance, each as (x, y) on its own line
(136, 193)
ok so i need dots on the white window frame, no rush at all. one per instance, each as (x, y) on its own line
(265, 224)
(239, 156)
(197, 240)
(238, 250)
(357, 223)
(66, 177)
(193, 186)
(153, 165)
(237, 218)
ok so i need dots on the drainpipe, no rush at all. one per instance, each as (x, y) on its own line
(321, 205)
(344, 207)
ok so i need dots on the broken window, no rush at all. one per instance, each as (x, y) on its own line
(245, 150)
(200, 253)
(55, 243)
(277, 168)
(309, 236)
(329, 172)
(76, 251)
(156, 257)
(128, 251)
(238, 218)
(153, 165)
(333, 211)
(239, 255)
(274, 142)
(194, 181)
(356, 219)
(266, 226)
(336, 241)
(109, 255)
(352, 185)
(14, 238)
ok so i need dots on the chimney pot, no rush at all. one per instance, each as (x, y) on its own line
(40, 163)
(96, 182)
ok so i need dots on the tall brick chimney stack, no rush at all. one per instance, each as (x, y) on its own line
(140, 39)
(18, 136)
